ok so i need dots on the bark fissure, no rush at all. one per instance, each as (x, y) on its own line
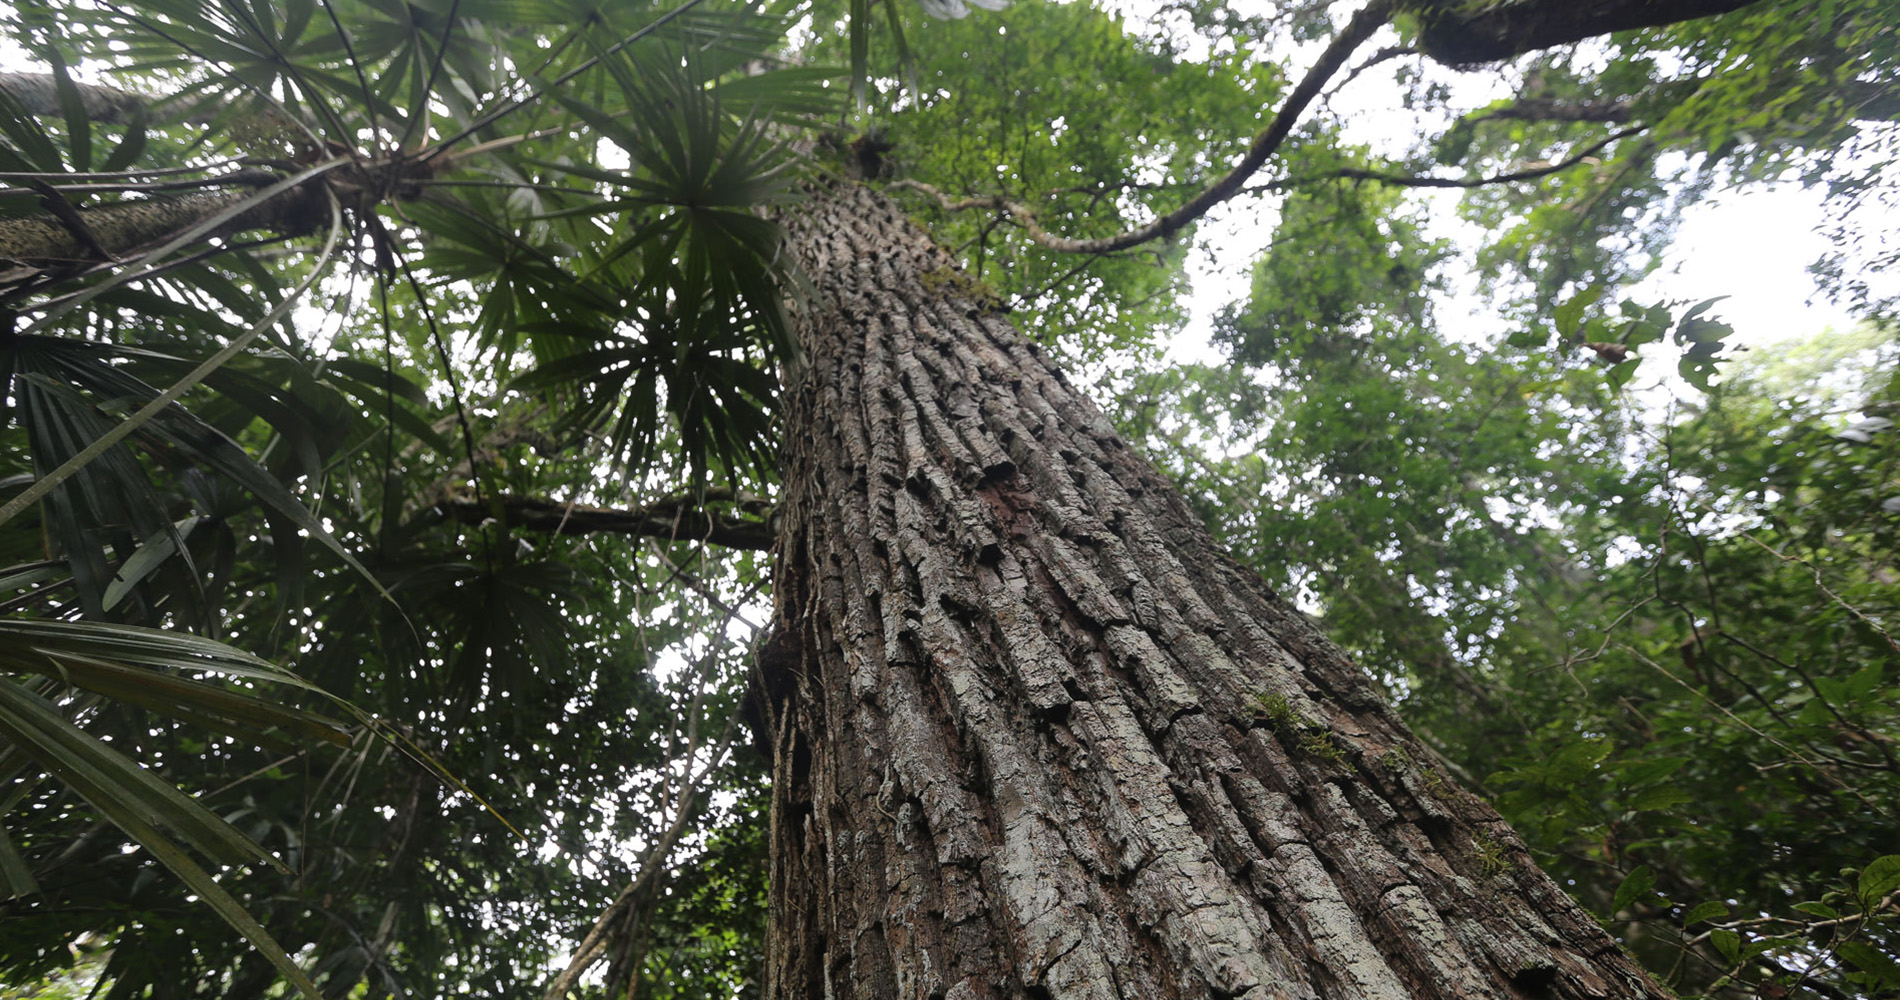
(1030, 695)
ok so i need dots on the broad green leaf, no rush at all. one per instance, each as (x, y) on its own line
(1664, 797)
(1710, 910)
(1880, 878)
(1568, 315)
(1881, 968)
(1727, 942)
(1635, 887)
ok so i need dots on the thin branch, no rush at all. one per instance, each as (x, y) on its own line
(1406, 180)
(1362, 26)
(442, 355)
(1025, 218)
(1821, 585)
(593, 946)
(1540, 109)
(671, 519)
(1384, 55)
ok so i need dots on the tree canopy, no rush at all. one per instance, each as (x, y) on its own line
(392, 406)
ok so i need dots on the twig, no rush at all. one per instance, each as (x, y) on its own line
(1362, 26)
(1405, 180)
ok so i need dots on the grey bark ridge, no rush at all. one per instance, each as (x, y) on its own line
(1039, 738)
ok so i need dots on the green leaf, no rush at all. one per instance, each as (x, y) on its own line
(1705, 911)
(151, 554)
(1664, 797)
(139, 665)
(1815, 909)
(1642, 772)
(214, 896)
(1635, 886)
(1727, 942)
(113, 783)
(1568, 315)
(1878, 879)
(1701, 307)
(32, 150)
(130, 148)
(1880, 967)
(78, 123)
(16, 879)
(1529, 339)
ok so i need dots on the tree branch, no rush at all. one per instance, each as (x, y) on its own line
(1458, 33)
(1539, 109)
(1024, 217)
(117, 229)
(38, 95)
(1405, 180)
(673, 519)
(1386, 54)
(1369, 19)
(1875, 101)
(1866, 100)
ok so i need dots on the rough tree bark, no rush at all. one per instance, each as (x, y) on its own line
(1459, 33)
(1037, 737)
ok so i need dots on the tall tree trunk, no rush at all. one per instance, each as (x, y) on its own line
(1036, 737)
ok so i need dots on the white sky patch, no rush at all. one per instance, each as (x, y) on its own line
(1754, 245)
(1232, 238)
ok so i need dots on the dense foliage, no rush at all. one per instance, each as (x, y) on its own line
(435, 591)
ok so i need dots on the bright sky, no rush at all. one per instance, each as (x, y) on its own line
(1752, 245)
